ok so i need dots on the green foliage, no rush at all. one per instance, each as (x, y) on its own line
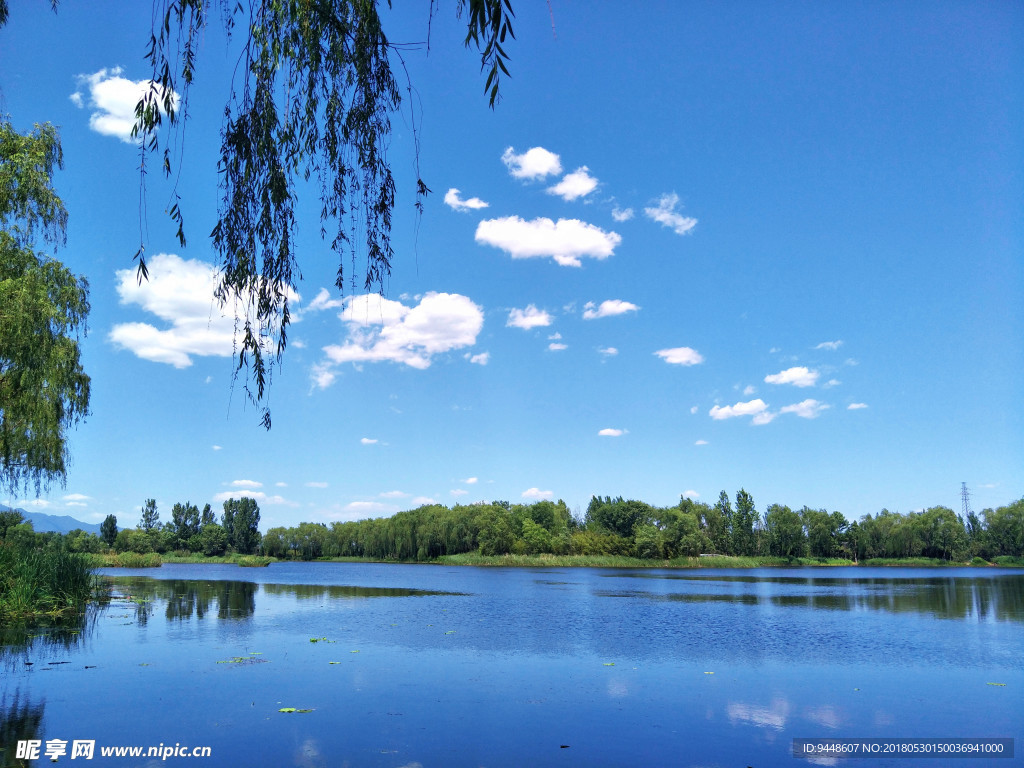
(43, 308)
(9, 519)
(150, 516)
(212, 540)
(108, 530)
(133, 540)
(42, 579)
(241, 521)
(1005, 529)
(785, 532)
(744, 541)
(185, 519)
(313, 97)
(617, 516)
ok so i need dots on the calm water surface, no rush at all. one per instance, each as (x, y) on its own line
(430, 666)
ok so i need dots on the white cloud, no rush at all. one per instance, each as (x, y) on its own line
(830, 345)
(112, 99)
(76, 497)
(453, 201)
(370, 508)
(806, 409)
(749, 390)
(41, 503)
(701, 442)
(665, 214)
(622, 214)
(536, 493)
(280, 485)
(316, 484)
(383, 330)
(691, 494)
(458, 492)
(246, 484)
(470, 480)
(259, 496)
(856, 406)
(554, 336)
(608, 351)
(179, 292)
(798, 376)
(556, 346)
(368, 440)
(574, 185)
(323, 300)
(608, 308)
(528, 318)
(680, 356)
(566, 241)
(216, 448)
(612, 432)
(765, 417)
(694, 409)
(420, 501)
(482, 359)
(832, 383)
(394, 495)
(751, 408)
(534, 163)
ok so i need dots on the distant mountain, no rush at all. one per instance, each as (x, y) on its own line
(60, 523)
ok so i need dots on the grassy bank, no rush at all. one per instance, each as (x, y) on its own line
(36, 582)
(617, 561)
(126, 560)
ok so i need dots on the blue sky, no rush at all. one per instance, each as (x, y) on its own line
(771, 246)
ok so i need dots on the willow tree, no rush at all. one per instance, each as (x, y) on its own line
(43, 310)
(312, 99)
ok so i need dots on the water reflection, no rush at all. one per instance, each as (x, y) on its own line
(997, 598)
(20, 720)
(314, 591)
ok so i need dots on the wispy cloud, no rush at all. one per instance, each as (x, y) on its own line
(368, 440)
(798, 376)
(622, 214)
(806, 409)
(481, 359)
(612, 432)
(664, 212)
(566, 241)
(456, 203)
(608, 351)
(574, 185)
(259, 496)
(112, 99)
(246, 484)
(528, 318)
(750, 408)
(701, 442)
(608, 308)
(830, 345)
(856, 406)
(680, 356)
(534, 163)
(557, 346)
(316, 484)
(536, 493)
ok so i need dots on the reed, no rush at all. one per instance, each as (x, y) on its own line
(42, 581)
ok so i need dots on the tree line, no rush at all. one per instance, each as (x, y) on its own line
(609, 526)
(631, 528)
(188, 531)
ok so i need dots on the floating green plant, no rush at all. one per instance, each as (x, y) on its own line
(289, 710)
(609, 663)
(999, 684)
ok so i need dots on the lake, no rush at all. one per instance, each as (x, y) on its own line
(426, 665)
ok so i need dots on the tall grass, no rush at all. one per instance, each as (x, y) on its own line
(42, 581)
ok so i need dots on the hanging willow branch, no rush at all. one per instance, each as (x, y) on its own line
(312, 98)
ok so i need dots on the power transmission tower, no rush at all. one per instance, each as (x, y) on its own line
(965, 496)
